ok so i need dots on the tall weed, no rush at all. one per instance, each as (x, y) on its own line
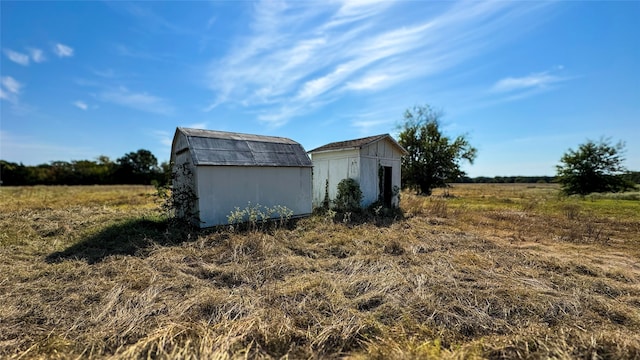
(259, 218)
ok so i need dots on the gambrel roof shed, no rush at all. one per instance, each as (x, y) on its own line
(225, 170)
(208, 147)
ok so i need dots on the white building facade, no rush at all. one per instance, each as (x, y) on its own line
(374, 162)
(216, 171)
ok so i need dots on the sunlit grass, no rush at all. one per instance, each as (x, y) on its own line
(15, 197)
(489, 271)
(541, 198)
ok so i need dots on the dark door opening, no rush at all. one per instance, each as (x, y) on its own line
(387, 191)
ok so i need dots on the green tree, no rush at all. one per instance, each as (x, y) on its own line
(434, 159)
(633, 176)
(164, 177)
(594, 167)
(12, 173)
(107, 169)
(138, 167)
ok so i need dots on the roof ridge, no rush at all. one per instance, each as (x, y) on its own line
(212, 147)
(230, 134)
(353, 143)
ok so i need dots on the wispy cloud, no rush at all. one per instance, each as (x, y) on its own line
(370, 82)
(148, 19)
(37, 55)
(10, 89)
(11, 84)
(367, 126)
(127, 51)
(352, 11)
(532, 81)
(369, 121)
(140, 101)
(298, 56)
(476, 96)
(164, 137)
(80, 105)
(16, 57)
(107, 73)
(62, 50)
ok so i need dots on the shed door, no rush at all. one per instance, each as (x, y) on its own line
(387, 190)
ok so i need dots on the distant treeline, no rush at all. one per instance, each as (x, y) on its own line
(631, 175)
(140, 167)
(506, 180)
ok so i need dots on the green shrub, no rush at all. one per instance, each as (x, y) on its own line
(349, 196)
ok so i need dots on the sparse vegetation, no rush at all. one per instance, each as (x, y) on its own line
(488, 271)
(179, 199)
(349, 196)
(257, 217)
(594, 168)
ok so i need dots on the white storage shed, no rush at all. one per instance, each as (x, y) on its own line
(216, 171)
(374, 162)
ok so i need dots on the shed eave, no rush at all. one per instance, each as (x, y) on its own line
(334, 150)
(253, 165)
(377, 138)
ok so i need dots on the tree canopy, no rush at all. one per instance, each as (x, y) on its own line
(137, 167)
(140, 167)
(434, 158)
(593, 167)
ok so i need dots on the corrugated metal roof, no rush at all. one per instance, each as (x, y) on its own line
(210, 147)
(356, 144)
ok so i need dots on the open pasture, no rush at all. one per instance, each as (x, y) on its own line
(474, 271)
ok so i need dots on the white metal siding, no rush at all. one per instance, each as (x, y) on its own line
(222, 188)
(361, 165)
(184, 178)
(335, 166)
(380, 153)
(369, 180)
(180, 143)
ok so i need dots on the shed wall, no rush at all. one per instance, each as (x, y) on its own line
(359, 164)
(222, 188)
(380, 153)
(180, 143)
(334, 166)
(184, 180)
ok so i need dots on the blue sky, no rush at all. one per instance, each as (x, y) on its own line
(525, 81)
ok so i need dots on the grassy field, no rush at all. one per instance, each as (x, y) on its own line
(478, 271)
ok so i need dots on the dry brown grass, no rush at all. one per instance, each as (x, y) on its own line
(489, 272)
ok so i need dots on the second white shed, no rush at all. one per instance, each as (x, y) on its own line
(217, 171)
(374, 162)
